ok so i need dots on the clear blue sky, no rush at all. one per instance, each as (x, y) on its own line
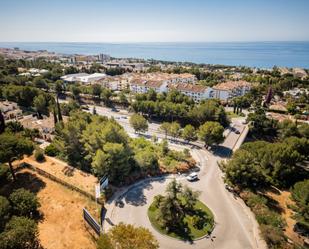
(154, 20)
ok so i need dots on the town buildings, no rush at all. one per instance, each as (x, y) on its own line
(230, 89)
(83, 78)
(10, 110)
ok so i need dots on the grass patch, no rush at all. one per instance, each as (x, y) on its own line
(189, 231)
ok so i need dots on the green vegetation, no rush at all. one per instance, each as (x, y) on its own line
(17, 229)
(211, 133)
(39, 155)
(139, 123)
(12, 147)
(300, 194)
(180, 214)
(270, 220)
(263, 164)
(24, 203)
(20, 233)
(124, 236)
(100, 145)
(175, 106)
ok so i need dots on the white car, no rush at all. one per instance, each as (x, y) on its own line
(192, 177)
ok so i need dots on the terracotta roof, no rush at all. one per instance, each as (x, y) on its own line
(230, 85)
(188, 87)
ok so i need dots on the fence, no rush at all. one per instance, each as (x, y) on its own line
(64, 183)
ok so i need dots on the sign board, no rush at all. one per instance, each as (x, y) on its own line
(91, 221)
(97, 191)
(103, 182)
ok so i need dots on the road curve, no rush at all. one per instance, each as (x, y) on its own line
(235, 224)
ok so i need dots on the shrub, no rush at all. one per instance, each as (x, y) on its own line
(39, 155)
(20, 233)
(51, 150)
(5, 211)
(24, 202)
(4, 173)
(274, 237)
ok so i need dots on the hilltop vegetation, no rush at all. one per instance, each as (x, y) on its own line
(100, 145)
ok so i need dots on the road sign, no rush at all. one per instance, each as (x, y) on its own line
(97, 191)
(103, 182)
(91, 221)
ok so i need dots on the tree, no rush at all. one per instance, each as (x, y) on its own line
(14, 126)
(24, 203)
(287, 128)
(40, 105)
(13, 147)
(189, 133)
(244, 171)
(113, 160)
(139, 123)
(2, 123)
(211, 133)
(300, 194)
(124, 236)
(96, 90)
(146, 160)
(40, 83)
(174, 130)
(75, 91)
(5, 211)
(59, 110)
(165, 127)
(190, 198)
(106, 95)
(303, 130)
(59, 87)
(20, 233)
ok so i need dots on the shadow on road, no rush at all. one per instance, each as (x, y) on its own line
(222, 151)
(135, 196)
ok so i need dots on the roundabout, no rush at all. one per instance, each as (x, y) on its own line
(234, 226)
(196, 224)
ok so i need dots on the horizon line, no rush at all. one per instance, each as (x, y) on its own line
(130, 42)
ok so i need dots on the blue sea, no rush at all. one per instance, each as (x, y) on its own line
(253, 54)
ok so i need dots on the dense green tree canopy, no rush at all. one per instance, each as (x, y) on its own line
(211, 133)
(124, 236)
(139, 123)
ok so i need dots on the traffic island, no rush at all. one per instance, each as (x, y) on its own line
(180, 215)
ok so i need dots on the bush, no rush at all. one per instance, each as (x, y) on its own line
(24, 202)
(5, 211)
(51, 150)
(4, 173)
(19, 233)
(274, 237)
(39, 155)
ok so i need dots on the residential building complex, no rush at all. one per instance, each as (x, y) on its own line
(230, 89)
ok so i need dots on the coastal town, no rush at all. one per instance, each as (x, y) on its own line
(92, 143)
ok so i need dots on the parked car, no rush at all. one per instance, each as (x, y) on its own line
(192, 177)
(237, 132)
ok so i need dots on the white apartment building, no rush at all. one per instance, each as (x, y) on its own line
(143, 86)
(83, 77)
(196, 92)
(230, 89)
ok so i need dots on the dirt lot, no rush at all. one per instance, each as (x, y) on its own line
(64, 172)
(61, 225)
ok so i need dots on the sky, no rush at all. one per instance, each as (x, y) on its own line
(153, 20)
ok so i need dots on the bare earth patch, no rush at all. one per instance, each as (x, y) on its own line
(62, 225)
(285, 201)
(64, 172)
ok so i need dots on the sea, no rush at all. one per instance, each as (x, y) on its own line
(251, 54)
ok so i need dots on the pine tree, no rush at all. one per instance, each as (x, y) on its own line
(2, 123)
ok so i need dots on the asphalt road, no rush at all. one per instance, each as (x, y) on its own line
(235, 224)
